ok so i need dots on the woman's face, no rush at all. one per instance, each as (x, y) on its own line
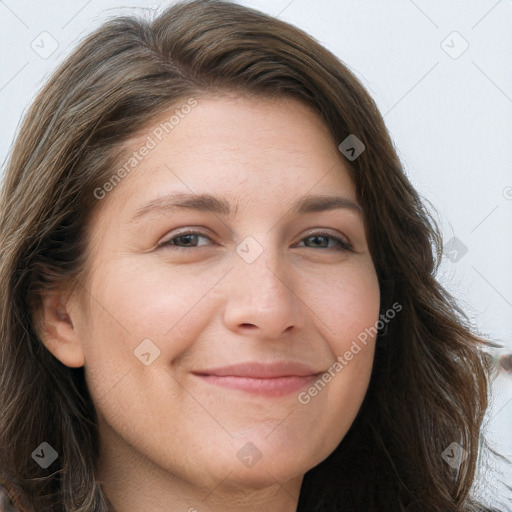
(228, 271)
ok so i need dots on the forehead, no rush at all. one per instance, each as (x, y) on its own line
(260, 149)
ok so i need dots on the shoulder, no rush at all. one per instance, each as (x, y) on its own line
(6, 500)
(10, 501)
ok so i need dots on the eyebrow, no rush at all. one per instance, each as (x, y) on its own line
(219, 205)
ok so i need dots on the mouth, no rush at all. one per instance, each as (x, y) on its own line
(276, 379)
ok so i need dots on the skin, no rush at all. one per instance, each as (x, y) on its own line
(168, 439)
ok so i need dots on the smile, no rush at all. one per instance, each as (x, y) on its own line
(277, 379)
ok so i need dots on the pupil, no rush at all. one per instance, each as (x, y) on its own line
(319, 240)
(187, 239)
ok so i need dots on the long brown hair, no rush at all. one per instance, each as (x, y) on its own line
(429, 386)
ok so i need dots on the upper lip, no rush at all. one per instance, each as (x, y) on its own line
(257, 370)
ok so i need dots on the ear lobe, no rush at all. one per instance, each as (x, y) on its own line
(57, 330)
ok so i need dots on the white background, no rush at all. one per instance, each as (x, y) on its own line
(450, 116)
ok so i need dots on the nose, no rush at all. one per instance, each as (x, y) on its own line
(262, 300)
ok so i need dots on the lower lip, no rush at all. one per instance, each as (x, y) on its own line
(277, 386)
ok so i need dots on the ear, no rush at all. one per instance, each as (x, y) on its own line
(57, 330)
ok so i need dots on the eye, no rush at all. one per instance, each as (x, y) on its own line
(185, 240)
(189, 240)
(326, 241)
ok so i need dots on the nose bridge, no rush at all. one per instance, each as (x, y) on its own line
(266, 283)
(261, 273)
(261, 292)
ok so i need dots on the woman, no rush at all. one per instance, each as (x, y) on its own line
(218, 286)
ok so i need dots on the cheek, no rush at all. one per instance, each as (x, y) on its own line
(347, 302)
(108, 349)
(348, 306)
(155, 302)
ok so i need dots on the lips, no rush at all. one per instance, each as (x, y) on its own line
(276, 379)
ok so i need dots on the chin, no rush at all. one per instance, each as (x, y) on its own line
(262, 476)
(256, 468)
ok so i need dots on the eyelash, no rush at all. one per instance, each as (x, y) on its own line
(341, 244)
